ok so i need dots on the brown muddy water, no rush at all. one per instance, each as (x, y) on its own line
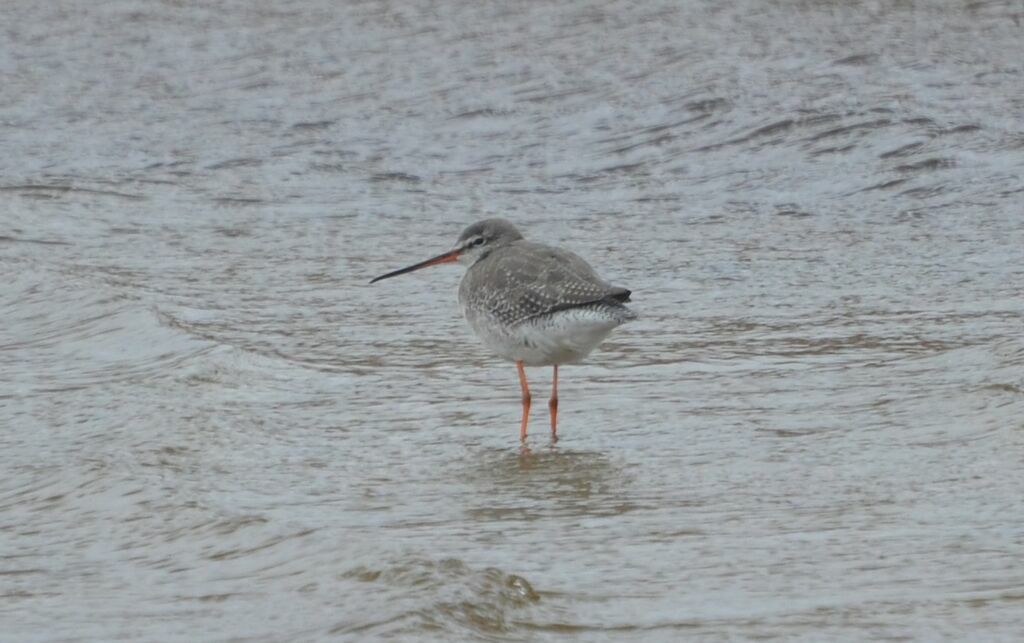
(213, 428)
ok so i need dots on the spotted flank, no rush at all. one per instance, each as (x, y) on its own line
(565, 336)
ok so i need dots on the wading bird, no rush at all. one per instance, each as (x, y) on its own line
(531, 303)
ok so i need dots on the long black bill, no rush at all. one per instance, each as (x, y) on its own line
(449, 257)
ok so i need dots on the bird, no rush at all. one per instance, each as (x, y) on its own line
(530, 303)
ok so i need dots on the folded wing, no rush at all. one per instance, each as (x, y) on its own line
(524, 281)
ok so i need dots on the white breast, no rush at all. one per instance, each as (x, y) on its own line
(563, 337)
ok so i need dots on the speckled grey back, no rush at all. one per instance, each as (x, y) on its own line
(524, 280)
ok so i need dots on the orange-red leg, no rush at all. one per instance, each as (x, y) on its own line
(526, 401)
(553, 405)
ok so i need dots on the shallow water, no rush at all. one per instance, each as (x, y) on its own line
(214, 426)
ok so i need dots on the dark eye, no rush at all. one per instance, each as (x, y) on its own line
(479, 241)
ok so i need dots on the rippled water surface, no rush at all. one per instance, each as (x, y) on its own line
(213, 426)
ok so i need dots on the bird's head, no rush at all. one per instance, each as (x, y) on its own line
(479, 239)
(475, 243)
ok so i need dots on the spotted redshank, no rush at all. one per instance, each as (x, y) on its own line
(530, 303)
